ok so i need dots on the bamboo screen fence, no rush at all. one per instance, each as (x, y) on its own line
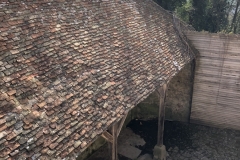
(216, 93)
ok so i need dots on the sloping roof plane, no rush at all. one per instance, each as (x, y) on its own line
(69, 69)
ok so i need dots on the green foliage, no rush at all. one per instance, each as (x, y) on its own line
(217, 16)
(184, 11)
(209, 15)
(197, 17)
(171, 5)
(206, 15)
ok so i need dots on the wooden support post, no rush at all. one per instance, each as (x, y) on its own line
(112, 137)
(161, 114)
(159, 151)
(113, 147)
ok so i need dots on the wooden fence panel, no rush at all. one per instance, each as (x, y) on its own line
(216, 93)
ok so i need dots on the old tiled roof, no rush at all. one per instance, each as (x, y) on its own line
(69, 69)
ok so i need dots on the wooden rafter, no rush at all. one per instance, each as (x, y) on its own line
(121, 124)
(106, 135)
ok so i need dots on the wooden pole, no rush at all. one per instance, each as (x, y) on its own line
(112, 135)
(161, 113)
(114, 143)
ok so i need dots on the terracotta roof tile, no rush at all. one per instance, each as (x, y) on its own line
(66, 76)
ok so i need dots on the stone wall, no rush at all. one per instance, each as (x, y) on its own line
(178, 99)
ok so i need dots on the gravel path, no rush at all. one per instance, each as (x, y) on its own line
(184, 141)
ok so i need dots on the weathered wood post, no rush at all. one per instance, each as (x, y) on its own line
(113, 147)
(112, 135)
(159, 151)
